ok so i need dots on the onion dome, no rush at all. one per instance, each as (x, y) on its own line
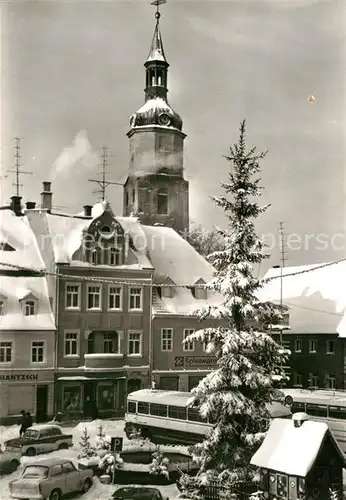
(156, 111)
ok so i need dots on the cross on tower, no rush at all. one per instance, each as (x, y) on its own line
(17, 169)
(158, 3)
(103, 183)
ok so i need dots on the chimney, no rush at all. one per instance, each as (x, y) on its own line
(30, 205)
(46, 197)
(16, 205)
(87, 210)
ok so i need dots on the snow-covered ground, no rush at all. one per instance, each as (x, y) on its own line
(98, 491)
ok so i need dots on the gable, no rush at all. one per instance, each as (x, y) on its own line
(5, 247)
(26, 295)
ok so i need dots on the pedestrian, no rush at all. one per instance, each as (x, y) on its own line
(28, 420)
(23, 421)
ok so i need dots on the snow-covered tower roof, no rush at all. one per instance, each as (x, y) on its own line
(156, 110)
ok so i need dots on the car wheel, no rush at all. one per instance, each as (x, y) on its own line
(63, 446)
(13, 466)
(55, 495)
(31, 452)
(86, 485)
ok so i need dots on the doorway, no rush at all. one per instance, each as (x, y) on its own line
(41, 403)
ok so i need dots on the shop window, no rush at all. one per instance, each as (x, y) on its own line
(19, 397)
(162, 201)
(71, 398)
(105, 397)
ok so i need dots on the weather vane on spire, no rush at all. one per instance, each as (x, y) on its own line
(158, 3)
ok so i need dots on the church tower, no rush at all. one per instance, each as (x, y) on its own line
(155, 189)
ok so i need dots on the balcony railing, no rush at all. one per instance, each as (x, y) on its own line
(103, 360)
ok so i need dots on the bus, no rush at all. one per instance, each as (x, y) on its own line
(166, 417)
(327, 406)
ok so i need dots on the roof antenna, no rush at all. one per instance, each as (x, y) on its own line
(17, 169)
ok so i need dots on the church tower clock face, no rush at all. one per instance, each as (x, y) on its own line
(164, 119)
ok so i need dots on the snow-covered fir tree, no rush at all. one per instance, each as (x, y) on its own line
(86, 449)
(236, 393)
(103, 442)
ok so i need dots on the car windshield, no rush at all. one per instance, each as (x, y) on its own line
(31, 433)
(35, 471)
(136, 494)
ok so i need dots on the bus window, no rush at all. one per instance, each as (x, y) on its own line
(316, 410)
(177, 412)
(143, 408)
(194, 416)
(338, 412)
(131, 407)
(158, 410)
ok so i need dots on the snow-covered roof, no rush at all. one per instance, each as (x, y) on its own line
(13, 289)
(316, 298)
(172, 256)
(17, 234)
(292, 450)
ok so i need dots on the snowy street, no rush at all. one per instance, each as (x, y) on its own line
(98, 490)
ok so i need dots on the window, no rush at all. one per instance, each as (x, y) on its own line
(298, 346)
(71, 343)
(96, 256)
(188, 346)
(312, 346)
(126, 198)
(330, 381)
(114, 256)
(110, 342)
(114, 298)
(91, 343)
(105, 396)
(68, 467)
(177, 412)
(199, 293)
(72, 297)
(316, 410)
(1, 307)
(282, 486)
(131, 407)
(5, 352)
(297, 379)
(313, 380)
(206, 342)
(158, 410)
(56, 470)
(330, 347)
(94, 297)
(29, 308)
(71, 398)
(162, 201)
(194, 415)
(135, 298)
(133, 195)
(135, 343)
(37, 352)
(338, 412)
(143, 408)
(166, 339)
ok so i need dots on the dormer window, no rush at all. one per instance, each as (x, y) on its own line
(29, 308)
(115, 255)
(162, 201)
(198, 291)
(96, 256)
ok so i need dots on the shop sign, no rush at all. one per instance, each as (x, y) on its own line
(18, 377)
(194, 361)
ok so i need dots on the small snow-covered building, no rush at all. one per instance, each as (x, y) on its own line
(316, 299)
(299, 459)
(27, 327)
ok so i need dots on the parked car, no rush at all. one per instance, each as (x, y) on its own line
(138, 493)
(41, 438)
(50, 478)
(9, 461)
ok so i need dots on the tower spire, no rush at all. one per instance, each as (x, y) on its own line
(156, 52)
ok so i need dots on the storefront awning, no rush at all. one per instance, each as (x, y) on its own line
(82, 378)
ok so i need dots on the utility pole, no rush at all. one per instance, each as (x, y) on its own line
(103, 182)
(17, 169)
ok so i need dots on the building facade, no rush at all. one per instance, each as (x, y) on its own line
(27, 327)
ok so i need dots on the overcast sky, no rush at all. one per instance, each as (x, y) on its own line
(72, 75)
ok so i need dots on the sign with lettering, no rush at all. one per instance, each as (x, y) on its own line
(195, 361)
(18, 377)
